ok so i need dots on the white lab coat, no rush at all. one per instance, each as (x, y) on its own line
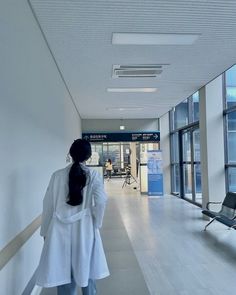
(72, 238)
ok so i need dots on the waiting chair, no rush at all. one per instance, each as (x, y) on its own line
(227, 214)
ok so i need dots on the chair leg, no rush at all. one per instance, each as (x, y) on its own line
(209, 223)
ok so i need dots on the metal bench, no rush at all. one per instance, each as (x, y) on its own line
(227, 214)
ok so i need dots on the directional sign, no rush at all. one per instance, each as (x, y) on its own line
(122, 137)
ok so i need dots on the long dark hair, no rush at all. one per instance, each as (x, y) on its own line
(80, 151)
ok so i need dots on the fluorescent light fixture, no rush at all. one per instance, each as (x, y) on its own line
(153, 39)
(124, 108)
(143, 90)
(122, 127)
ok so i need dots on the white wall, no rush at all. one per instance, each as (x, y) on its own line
(15, 275)
(37, 125)
(99, 125)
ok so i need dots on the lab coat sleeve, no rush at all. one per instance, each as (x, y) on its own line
(100, 199)
(47, 208)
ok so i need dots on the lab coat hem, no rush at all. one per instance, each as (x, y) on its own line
(53, 284)
(102, 276)
(95, 278)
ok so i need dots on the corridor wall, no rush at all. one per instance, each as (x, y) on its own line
(38, 122)
(113, 125)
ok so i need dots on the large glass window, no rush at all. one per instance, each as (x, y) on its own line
(195, 98)
(231, 148)
(232, 179)
(185, 113)
(230, 128)
(114, 153)
(117, 152)
(196, 145)
(187, 181)
(175, 150)
(181, 115)
(98, 149)
(185, 150)
(231, 137)
(230, 80)
(186, 146)
(197, 166)
(198, 183)
(175, 177)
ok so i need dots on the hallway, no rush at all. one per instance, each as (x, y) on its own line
(123, 75)
(175, 257)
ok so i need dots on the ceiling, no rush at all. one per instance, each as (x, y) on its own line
(79, 35)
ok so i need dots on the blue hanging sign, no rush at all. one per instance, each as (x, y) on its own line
(155, 173)
(122, 137)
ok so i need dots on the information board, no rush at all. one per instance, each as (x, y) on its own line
(155, 173)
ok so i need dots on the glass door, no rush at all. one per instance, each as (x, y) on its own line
(187, 165)
(197, 166)
(191, 165)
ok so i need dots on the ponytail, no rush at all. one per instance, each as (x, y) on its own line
(77, 181)
(80, 151)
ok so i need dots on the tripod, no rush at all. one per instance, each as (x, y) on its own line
(129, 179)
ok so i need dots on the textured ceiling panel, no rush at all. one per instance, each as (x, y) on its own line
(79, 35)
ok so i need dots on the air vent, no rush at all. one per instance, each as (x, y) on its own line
(137, 71)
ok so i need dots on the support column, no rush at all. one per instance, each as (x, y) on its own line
(212, 142)
(133, 158)
(165, 147)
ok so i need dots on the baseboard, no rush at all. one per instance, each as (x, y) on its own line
(36, 290)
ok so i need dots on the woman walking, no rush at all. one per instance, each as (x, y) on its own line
(108, 169)
(73, 210)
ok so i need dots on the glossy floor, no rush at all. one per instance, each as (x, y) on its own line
(157, 246)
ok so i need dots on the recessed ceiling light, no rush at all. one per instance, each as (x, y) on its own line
(143, 90)
(153, 39)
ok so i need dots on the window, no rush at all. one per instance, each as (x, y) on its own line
(181, 115)
(230, 81)
(195, 101)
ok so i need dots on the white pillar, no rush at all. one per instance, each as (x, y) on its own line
(133, 158)
(165, 147)
(212, 142)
